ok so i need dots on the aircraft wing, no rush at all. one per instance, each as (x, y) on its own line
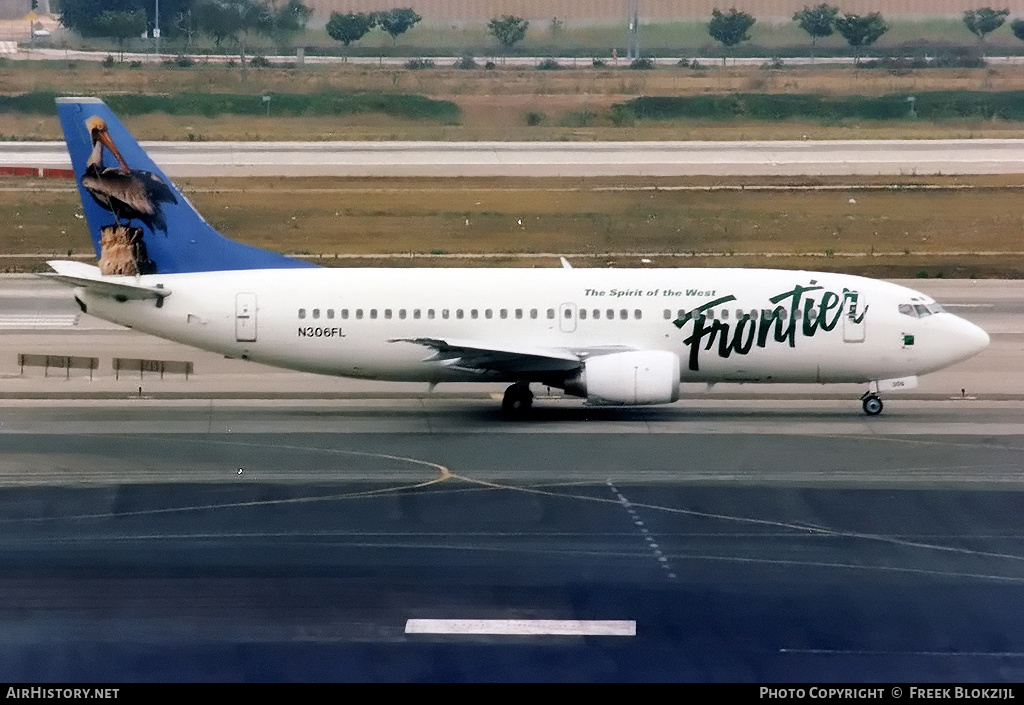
(88, 277)
(487, 357)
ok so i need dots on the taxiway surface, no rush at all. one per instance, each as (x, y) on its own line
(202, 532)
(555, 159)
(131, 554)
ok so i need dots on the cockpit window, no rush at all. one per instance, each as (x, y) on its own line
(920, 310)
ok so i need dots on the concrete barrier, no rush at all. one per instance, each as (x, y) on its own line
(60, 362)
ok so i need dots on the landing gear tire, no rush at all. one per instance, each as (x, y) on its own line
(872, 405)
(518, 400)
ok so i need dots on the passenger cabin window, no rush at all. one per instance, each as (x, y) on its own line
(519, 313)
(373, 313)
(430, 314)
(583, 314)
(344, 313)
(401, 314)
(597, 314)
(610, 314)
(503, 314)
(387, 313)
(458, 313)
(444, 313)
(668, 315)
(551, 313)
(302, 313)
(488, 313)
(359, 313)
(638, 314)
(533, 313)
(473, 313)
(416, 314)
(330, 313)
(316, 313)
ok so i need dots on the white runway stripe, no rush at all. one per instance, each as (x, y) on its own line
(522, 627)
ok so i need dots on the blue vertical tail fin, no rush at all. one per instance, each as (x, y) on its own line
(139, 221)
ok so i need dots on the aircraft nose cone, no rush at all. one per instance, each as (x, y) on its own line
(968, 339)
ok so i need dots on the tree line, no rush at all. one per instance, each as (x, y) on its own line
(224, 21)
(236, 22)
(859, 30)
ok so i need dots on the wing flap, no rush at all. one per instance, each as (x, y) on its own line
(488, 357)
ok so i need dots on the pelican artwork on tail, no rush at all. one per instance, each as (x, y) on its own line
(130, 194)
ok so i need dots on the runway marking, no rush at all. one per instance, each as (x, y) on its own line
(444, 475)
(868, 652)
(853, 566)
(651, 543)
(830, 533)
(518, 547)
(522, 627)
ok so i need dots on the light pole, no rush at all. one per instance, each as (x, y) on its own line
(156, 30)
(633, 29)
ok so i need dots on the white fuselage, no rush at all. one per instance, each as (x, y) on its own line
(346, 322)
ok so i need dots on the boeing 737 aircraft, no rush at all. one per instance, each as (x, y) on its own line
(610, 336)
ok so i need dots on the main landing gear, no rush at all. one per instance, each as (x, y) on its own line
(871, 403)
(518, 399)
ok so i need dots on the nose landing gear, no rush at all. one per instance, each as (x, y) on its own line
(517, 400)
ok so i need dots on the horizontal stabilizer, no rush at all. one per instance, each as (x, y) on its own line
(88, 277)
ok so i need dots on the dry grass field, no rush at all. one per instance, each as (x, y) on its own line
(494, 104)
(952, 231)
(949, 232)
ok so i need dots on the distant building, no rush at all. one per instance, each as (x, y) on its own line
(611, 10)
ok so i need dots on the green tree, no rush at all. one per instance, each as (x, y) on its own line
(509, 30)
(730, 28)
(861, 31)
(213, 19)
(1017, 27)
(186, 25)
(984, 20)
(121, 26)
(396, 22)
(819, 22)
(82, 16)
(235, 20)
(350, 27)
(290, 19)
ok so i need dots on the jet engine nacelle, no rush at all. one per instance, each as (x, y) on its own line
(641, 377)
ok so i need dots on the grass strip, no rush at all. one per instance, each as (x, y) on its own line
(935, 105)
(335, 103)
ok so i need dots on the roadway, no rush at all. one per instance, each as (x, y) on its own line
(252, 525)
(552, 159)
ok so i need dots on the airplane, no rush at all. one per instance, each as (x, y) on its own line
(609, 336)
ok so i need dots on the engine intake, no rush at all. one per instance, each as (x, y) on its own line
(640, 377)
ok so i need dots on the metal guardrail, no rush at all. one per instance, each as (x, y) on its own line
(122, 364)
(60, 362)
